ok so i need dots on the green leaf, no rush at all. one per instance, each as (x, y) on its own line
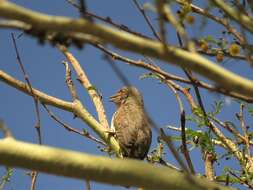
(210, 39)
(250, 109)
(206, 143)
(192, 133)
(149, 75)
(228, 177)
(217, 106)
(6, 178)
(176, 138)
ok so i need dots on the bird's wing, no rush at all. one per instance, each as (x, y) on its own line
(143, 140)
(126, 131)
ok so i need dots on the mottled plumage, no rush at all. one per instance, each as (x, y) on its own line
(131, 124)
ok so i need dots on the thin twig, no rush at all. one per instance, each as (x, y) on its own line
(35, 98)
(179, 27)
(14, 24)
(69, 82)
(141, 64)
(174, 128)
(108, 20)
(229, 129)
(5, 130)
(71, 129)
(171, 146)
(160, 4)
(184, 91)
(249, 161)
(244, 129)
(34, 176)
(37, 126)
(167, 164)
(183, 135)
(241, 180)
(142, 11)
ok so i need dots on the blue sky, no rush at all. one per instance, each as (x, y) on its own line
(46, 73)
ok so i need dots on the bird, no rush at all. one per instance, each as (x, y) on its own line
(131, 123)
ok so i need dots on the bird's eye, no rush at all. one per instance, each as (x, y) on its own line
(123, 91)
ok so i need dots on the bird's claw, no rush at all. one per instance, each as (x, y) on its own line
(110, 132)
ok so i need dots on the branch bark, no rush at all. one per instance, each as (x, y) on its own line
(101, 169)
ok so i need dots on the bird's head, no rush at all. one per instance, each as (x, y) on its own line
(127, 94)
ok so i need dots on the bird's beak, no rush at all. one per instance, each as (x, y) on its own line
(114, 98)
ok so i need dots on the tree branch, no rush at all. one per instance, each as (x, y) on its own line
(43, 98)
(75, 107)
(126, 41)
(101, 169)
(82, 77)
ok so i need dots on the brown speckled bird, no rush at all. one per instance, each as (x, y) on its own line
(131, 123)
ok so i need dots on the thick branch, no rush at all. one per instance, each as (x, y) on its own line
(43, 98)
(101, 169)
(123, 40)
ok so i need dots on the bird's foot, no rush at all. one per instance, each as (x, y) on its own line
(110, 132)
